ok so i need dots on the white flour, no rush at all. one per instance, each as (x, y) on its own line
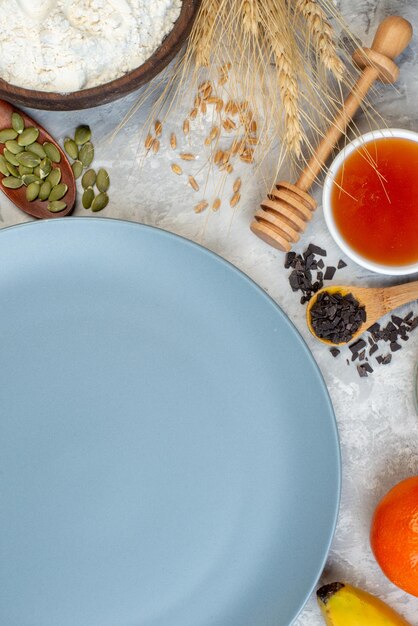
(66, 45)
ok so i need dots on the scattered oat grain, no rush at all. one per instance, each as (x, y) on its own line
(216, 204)
(158, 128)
(186, 127)
(201, 206)
(187, 156)
(235, 199)
(218, 157)
(149, 141)
(193, 183)
(237, 185)
(176, 169)
(193, 113)
(155, 146)
(173, 141)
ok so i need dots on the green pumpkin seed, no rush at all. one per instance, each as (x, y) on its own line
(71, 148)
(82, 135)
(56, 206)
(86, 154)
(45, 190)
(12, 182)
(88, 197)
(52, 152)
(3, 166)
(10, 157)
(89, 179)
(28, 159)
(18, 123)
(58, 192)
(99, 202)
(13, 147)
(6, 134)
(54, 176)
(37, 149)
(13, 171)
(28, 179)
(77, 168)
(45, 167)
(25, 170)
(28, 136)
(102, 181)
(32, 191)
(37, 171)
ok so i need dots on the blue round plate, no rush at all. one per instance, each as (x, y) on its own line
(168, 450)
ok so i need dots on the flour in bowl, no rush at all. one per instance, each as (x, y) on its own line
(67, 45)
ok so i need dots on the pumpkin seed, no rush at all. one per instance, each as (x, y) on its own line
(3, 166)
(6, 134)
(13, 146)
(12, 182)
(56, 206)
(25, 170)
(102, 180)
(18, 123)
(71, 148)
(10, 157)
(99, 202)
(52, 152)
(46, 167)
(28, 179)
(88, 197)
(58, 192)
(37, 171)
(28, 159)
(82, 135)
(37, 149)
(54, 177)
(13, 171)
(86, 155)
(89, 179)
(45, 190)
(32, 191)
(77, 168)
(28, 136)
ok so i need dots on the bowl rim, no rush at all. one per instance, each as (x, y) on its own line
(117, 88)
(349, 148)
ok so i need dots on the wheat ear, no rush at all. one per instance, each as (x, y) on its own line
(250, 16)
(321, 33)
(203, 32)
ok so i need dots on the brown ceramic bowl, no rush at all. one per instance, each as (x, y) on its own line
(116, 88)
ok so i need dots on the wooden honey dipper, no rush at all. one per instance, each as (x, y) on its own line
(285, 213)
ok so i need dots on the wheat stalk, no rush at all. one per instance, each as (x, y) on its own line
(321, 33)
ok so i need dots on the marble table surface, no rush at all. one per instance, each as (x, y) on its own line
(377, 420)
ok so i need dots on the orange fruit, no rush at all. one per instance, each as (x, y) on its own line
(394, 535)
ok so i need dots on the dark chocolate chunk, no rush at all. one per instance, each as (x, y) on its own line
(357, 346)
(290, 257)
(341, 264)
(317, 250)
(374, 328)
(329, 272)
(386, 359)
(320, 264)
(373, 349)
(362, 371)
(396, 320)
(362, 355)
(395, 346)
(334, 351)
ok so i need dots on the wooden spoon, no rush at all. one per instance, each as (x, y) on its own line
(37, 208)
(377, 301)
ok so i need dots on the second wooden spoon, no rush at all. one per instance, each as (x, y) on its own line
(377, 301)
(37, 208)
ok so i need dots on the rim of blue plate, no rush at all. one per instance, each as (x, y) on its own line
(285, 318)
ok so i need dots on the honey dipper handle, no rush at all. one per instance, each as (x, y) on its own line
(391, 38)
(393, 297)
